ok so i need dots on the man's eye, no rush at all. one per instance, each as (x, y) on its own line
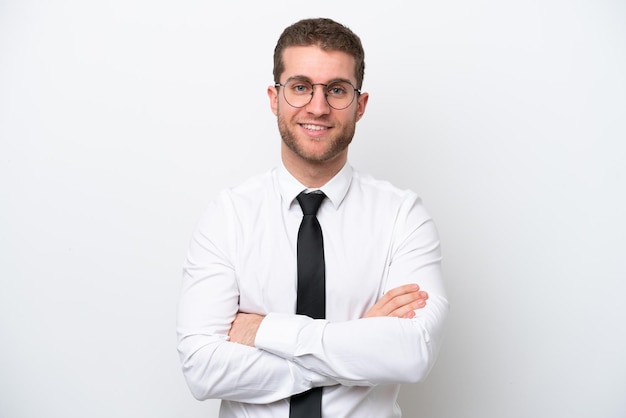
(300, 88)
(336, 90)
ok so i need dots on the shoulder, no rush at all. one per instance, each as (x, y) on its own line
(368, 185)
(242, 205)
(250, 192)
(383, 197)
(233, 206)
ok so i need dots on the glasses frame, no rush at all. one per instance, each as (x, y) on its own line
(357, 92)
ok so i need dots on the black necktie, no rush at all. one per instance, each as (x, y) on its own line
(311, 290)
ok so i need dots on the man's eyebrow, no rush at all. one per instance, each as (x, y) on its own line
(300, 78)
(305, 78)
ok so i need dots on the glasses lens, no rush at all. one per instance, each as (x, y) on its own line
(340, 94)
(299, 93)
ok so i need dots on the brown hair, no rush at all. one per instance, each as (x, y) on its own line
(325, 33)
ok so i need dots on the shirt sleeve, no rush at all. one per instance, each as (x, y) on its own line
(214, 367)
(379, 350)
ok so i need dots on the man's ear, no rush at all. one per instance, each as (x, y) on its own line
(361, 105)
(272, 94)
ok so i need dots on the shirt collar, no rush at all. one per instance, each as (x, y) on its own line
(335, 189)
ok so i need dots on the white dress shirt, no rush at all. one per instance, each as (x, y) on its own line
(242, 258)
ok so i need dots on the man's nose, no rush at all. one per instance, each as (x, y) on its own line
(318, 104)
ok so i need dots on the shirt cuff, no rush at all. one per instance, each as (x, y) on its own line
(278, 333)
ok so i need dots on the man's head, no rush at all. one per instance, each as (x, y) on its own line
(316, 97)
(327, 35)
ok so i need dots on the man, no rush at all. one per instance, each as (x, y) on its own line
(242, 335)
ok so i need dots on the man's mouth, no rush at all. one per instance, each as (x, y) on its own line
(313, 127)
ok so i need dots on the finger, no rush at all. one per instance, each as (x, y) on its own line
(397, 292)
(415, 299)
(399, 301)
(402, 305)
(408, 310)
(401, 290)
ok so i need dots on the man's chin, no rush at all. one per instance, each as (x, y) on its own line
(315, 150)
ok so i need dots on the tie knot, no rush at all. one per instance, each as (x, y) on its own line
(310, 202)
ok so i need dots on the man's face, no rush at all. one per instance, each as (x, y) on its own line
(316, 133)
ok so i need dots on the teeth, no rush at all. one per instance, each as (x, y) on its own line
(314, 127)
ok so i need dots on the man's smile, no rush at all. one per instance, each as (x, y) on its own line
(312, 127)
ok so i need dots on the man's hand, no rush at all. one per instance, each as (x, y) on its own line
(399, 302)
(244, 327)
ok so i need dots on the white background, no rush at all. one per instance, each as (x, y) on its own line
(120, 120)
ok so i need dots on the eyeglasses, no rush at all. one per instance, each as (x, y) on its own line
(299, 93)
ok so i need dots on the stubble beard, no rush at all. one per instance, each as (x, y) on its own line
(337, 144)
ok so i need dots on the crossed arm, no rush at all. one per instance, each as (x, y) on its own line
(400, 302)
(252, 358)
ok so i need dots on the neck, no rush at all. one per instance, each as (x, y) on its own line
(313, 174)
